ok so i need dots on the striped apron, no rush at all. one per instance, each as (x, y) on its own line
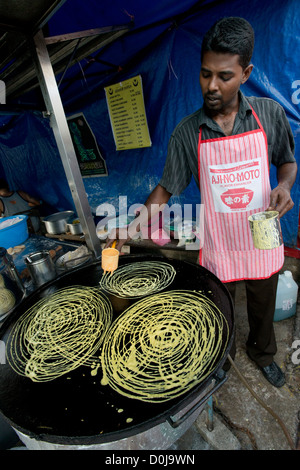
(234, 183)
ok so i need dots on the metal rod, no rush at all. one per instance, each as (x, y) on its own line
(68, 64)
(210, 414)
(87, 33)
(64, 142)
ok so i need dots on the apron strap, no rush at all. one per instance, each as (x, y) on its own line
(263, 131)
(199, 143)
(256, 117)
(259, 125)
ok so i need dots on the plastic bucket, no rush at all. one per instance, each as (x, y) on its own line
(15, 233)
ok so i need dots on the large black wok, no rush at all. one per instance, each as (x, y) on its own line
(75, 408)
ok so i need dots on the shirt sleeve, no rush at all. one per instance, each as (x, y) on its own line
(177, 173)
(282, 139)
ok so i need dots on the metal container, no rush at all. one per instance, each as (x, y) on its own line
(265, 229)
(41, 267)
(75, 227)
(160, 436)
(58, 223)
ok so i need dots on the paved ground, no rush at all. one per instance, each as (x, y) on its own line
(240, 422)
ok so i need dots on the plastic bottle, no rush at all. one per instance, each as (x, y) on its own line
(286, 296)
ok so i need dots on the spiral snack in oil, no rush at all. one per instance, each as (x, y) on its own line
(7, 300)
(59, 333)
(135, 280)
(163, 345)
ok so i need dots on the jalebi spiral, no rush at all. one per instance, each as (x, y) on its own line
(163, 345)
(59, 333)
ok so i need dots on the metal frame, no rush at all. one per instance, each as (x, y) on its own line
(64, 142)
(24, 68)
(20, 76)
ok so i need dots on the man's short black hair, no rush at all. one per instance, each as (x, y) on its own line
(231, 35)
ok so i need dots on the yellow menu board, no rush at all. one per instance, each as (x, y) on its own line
(125, 102)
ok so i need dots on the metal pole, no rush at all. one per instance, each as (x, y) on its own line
(210, 414)
(64, 141)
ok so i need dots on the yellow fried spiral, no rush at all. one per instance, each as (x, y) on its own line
(163, 345)
(59, 333)
(138, 279)
(7, 300)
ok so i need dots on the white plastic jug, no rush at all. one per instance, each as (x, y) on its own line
(286, 296)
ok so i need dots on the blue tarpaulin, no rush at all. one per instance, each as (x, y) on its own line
(163, 46)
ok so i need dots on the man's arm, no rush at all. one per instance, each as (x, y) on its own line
(155, 202)
(280, 197)
(32, 201)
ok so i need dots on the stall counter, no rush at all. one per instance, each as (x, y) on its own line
(39, 243)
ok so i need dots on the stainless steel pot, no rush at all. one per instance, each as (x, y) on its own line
(75, 227)
(41, 267)
(158, 437)
(58, 223)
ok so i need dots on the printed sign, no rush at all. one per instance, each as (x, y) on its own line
(127, 114)
(90, 160)
(236, 187)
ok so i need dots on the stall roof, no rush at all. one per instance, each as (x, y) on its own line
(79, 38)
(20, 21)
(22, 17)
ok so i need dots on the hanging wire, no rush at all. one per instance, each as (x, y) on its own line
(83, 75)
(69, 62)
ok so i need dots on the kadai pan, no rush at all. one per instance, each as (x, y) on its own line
(76, 409)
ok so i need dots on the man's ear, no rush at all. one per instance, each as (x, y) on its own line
(246, 73)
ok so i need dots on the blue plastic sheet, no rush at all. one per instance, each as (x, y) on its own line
(30, 160)
(164, 48)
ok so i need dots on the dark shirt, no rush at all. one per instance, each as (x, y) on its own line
(182, 157)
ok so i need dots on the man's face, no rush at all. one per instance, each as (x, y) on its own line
(221, 76)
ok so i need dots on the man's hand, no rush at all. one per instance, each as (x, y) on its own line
(118, 235)
(155, 203)
(280, 200)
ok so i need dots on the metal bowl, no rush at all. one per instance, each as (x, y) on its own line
(63, 264)
(58, 223)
